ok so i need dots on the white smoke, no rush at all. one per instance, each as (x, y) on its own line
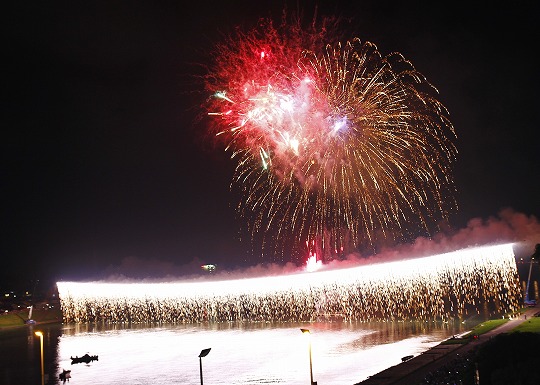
(508, 226)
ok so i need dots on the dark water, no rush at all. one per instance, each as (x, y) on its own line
(263, 353)
(20, 354)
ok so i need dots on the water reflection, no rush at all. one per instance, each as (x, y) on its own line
(252, 353)
(20, 355)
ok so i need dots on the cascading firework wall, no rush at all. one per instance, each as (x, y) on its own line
(439, 287)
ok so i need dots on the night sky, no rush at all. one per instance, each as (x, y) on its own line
(106, 171)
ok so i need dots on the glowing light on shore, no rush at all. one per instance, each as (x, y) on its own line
(436, 287)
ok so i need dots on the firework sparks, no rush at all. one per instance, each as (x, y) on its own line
(334, 138)
(457, 284)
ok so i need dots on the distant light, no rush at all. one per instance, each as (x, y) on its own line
(209, 268)
(39, 334)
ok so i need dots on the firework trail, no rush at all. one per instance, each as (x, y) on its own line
(332, 141)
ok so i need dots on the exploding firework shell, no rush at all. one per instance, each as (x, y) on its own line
(339, 140)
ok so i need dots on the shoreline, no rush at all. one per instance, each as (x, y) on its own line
(413, 371)
(19, 318)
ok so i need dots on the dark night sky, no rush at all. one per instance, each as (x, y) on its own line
(103, 169)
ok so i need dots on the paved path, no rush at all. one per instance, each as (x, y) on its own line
(416, 369)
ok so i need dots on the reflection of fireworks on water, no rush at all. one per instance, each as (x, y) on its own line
(459, 284)
(336, 139)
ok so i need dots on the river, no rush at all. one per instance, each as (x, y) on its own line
(342, 353)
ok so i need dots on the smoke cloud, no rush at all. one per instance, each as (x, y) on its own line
(508, 226)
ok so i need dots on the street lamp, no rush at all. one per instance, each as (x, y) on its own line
(40, 335)
(306, 332)
(204, 353)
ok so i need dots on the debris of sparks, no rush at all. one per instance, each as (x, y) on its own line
(438, 287)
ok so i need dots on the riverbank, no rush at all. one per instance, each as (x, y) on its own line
(18, 318)
(415, 370)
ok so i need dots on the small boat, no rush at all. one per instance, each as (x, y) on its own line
(406, 358)
(65, 375)
(86, 359)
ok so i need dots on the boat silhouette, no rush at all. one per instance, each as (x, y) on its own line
(86, 359)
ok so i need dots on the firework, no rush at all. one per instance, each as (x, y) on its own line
(458, 284)
(336, 142)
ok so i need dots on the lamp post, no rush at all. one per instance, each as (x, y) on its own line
(203, 353)
(40, 335)
(306, 332)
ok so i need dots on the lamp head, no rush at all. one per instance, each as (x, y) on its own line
(204, 352)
